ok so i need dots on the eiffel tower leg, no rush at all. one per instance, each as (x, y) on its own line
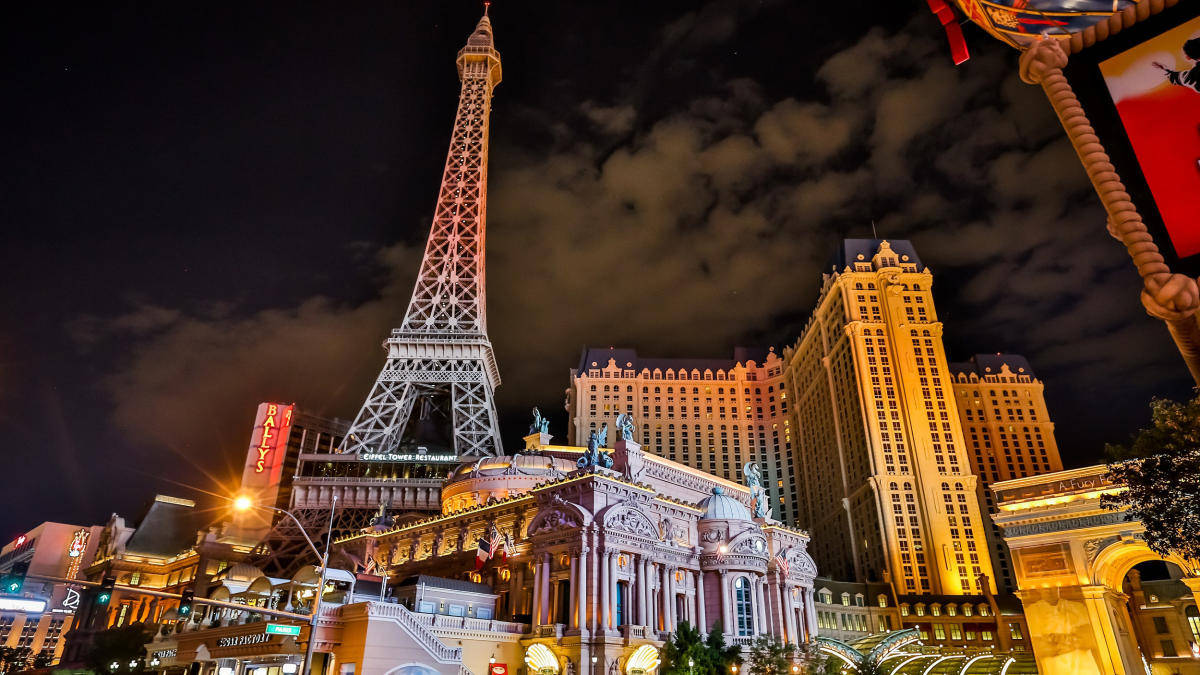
(476, 428)
(399, 421)
(381, 421)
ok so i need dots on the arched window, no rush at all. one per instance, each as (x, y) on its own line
(935, 609)
(904, 609)
(1193, 619)
(920, 609)
(967, 611)
(845, 599)
(984, 611)
(882, 599)
(742, 606)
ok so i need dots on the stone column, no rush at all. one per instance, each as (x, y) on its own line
(810, 612)
(700, 602)
(612, 592)
(573, 613)
(544, 607)
(761, 600)
(789, 614)
(641, 590)
(727, 626)
(535, 605)
(603, 611)
(581, 617)
(672, 608)
(517, 588)
(664, 611)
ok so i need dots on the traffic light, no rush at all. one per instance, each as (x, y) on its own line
(185, 603)
(106, 591)
(12, 581)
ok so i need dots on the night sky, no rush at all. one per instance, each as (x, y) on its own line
(206, 206)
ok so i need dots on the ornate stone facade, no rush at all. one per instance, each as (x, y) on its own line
(598, 564)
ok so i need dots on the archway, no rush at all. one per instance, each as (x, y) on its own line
(1072, 560)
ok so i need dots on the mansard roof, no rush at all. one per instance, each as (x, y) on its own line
(629, 359)
(984, 365)
(849, 250)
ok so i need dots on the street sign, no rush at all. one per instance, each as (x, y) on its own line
(282, 629)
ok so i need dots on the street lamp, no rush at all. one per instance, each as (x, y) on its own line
(594, 660)
(243, 503)
(690, 664)
(733, 669)
(113, 666)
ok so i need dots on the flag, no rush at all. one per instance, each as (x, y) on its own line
(371, 567)
(483, 553)
(781, 563)
(508, 544)
(497, 544)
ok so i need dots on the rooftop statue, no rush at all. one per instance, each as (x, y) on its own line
(758, 494)
(593, 456)
(539, 425)
(625, 430)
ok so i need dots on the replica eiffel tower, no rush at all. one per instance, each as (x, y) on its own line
(436, 389)
(433, 400)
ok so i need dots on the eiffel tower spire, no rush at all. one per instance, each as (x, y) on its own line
(436, 388)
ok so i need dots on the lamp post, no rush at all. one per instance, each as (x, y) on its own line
(690, 664)
(594, 660)
(244, 503)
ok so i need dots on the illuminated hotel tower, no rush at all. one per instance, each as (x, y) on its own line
(1007, 428)
(886, 485)
(436, 389)
(711, 414)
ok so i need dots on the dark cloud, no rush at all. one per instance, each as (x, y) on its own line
(687, 231)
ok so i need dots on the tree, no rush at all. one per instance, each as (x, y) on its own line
(709, 656)
(120, 645)
(13, 659)
(1160, 470)
(769, 656)
(44, 659)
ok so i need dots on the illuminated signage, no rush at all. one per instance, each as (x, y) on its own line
(22, 605)
(75, 549)
(20, 540)
(239, 640)
(443, 458)
(282, 629)
(71, 600)
(165, 654)
(268, 442)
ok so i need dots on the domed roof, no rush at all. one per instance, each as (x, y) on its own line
(721, 506)
(513, 465)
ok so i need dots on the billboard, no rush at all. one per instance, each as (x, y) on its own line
(1155, 87)
(1141, 90)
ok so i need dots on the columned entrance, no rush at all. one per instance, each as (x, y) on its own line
(1087, 608)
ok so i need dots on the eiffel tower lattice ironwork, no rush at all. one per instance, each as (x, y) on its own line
(440, 360)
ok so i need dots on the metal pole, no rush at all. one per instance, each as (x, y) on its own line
(312, 630)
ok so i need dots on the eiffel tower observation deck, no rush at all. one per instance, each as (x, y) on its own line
(432, 405)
